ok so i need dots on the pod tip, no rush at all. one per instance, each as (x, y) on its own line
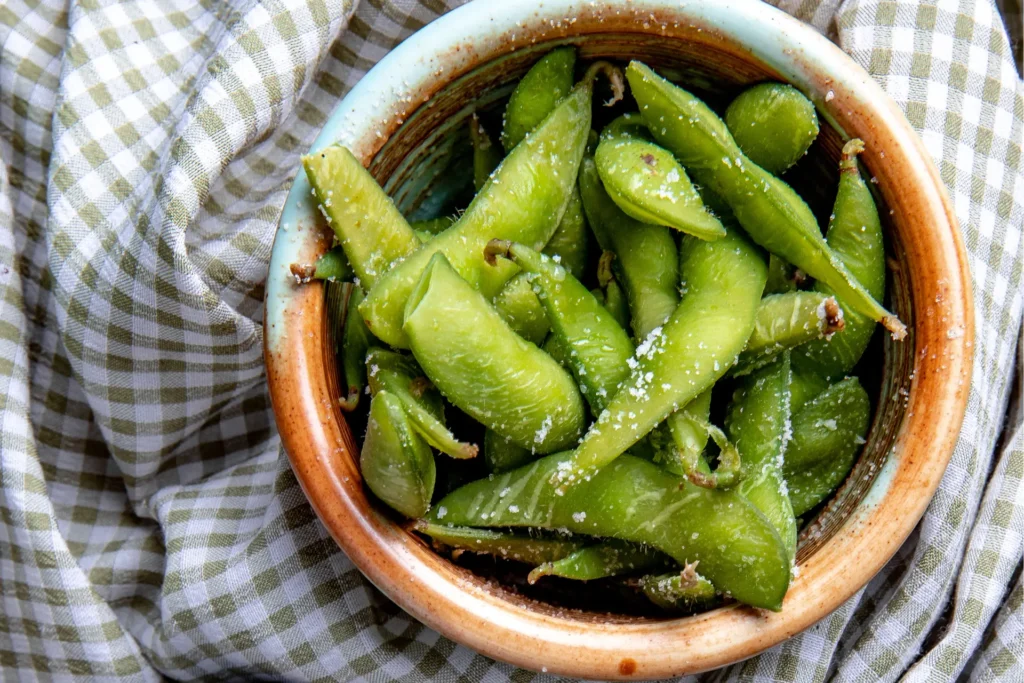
(895, 326)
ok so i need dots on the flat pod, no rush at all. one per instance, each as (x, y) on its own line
(601, 560)
(519, 547)
(547, 82)
(633, 500)
(396, 464)
(355, 343)
(483, 367)
(364, 219)
(519, 306)
(828, 432)
(523, 201)
(686, 590)
(787, 321)
(758, 422)
(648, 184)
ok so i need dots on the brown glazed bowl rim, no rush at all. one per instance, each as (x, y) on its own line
(491, 620)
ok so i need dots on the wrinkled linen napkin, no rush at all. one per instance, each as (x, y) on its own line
(150, 525)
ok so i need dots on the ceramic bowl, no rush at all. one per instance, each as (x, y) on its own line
(400, 120)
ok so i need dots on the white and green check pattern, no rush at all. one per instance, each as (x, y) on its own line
(150, 526)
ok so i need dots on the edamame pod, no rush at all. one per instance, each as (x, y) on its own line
(614, 298)
(519, 306)
(646, 255)
(543, 86)
(758, 422)
(723, 281)
(680, 590)
(395, 462)
(523, 201)
(502, 455)
(634, 500)
(483, 367)
(774, 124)
(805, 386)
(782, 276)
(570, 243)
(365, 221)
(486, 155)
(768, 209)
(648, 184)
(828, 433)
(598, 347)
(333, 266)
(855, 235)
(355, 344)
(520, 547)
(403, 379)
(433, 226)
(785, 321)
(630, 125)
(609, 558)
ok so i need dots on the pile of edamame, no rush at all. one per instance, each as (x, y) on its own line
(627, 359)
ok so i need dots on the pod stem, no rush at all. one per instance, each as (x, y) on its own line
(730, 466)
(848, 163)
(689, 575)
(496, 248)
(615, 77)
(350, 402)
(832, 320)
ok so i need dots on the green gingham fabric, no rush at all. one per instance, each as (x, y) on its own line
(150, 526)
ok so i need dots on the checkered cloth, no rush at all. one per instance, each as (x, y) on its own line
(150, 525)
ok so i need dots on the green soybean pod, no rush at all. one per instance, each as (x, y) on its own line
(774, 124)
(828, 432)
(365, 221)
(723, 281)
(519, 547)
(486, 154)
(501, 455)
(403, 379)
(685, 590)
(648, 184)
(484, 368)
(354, 346)
(805, 386)
(395, 462)
(433, 226)
(634, 500)
(646, 256)
(333, 266)
(539, 91)
(609, 558)
(519, 306)
(855, 235)
(542, 169)
(614, 298)
(598, 348)
(786, 321)
(570, 243)
(758, 422)
(628, 125)
(782, 276)
(768, 209)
